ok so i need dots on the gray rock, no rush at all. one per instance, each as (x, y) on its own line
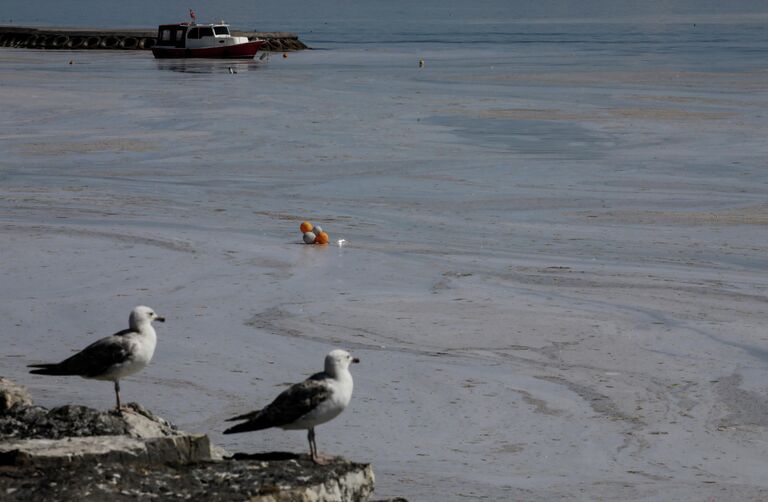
(285, 478)
(219, 453)
(75, 453)
(78, 434)
(56, 453)
(12, 395)
(35, 422)
(144, 424)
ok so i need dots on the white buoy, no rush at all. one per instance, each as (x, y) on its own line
(309, 237)
(317, 229)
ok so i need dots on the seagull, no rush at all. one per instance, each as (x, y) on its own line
(114, 357)
(305, 405)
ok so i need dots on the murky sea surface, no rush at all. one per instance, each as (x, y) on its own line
(554, 260)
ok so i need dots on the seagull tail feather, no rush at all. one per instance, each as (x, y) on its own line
(49, 369)
(237, 428)
(245, 416)
(251, 425)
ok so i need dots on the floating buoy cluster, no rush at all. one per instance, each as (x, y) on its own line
(313, 234)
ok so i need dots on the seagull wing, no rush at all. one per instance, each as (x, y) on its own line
(92, 361)
(292, 404)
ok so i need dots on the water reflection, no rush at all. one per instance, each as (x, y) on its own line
(210, 65)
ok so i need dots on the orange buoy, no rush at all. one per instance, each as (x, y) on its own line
(322, 238)
(305, 227)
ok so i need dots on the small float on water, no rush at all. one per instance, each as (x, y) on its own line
(193, 40)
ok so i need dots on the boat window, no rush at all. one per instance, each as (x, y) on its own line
(165, 35)
(206, 32)
(221, 30)
(193, 33)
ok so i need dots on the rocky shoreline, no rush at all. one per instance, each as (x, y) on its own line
(74, 453)
(78, 39)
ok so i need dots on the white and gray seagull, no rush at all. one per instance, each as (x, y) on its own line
(305, 405)
(114, 357)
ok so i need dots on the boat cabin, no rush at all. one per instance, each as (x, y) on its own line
(190, 35)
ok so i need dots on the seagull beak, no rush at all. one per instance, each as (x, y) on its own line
(355, 359)
(160, 318)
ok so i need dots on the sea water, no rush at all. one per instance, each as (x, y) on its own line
(554, 236)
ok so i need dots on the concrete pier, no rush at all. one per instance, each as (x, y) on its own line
(124, 39)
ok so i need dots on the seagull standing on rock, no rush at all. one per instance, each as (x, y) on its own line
(114, 357)
(305, 405)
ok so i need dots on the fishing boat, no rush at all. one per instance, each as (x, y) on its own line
(193, 40)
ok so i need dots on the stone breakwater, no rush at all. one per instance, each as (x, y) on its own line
(126, 40)
(75, 453)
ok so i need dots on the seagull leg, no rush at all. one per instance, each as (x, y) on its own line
(117, 393)
(316, 457)
(311, 438)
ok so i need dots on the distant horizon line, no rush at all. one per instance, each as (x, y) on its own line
(741, 18)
